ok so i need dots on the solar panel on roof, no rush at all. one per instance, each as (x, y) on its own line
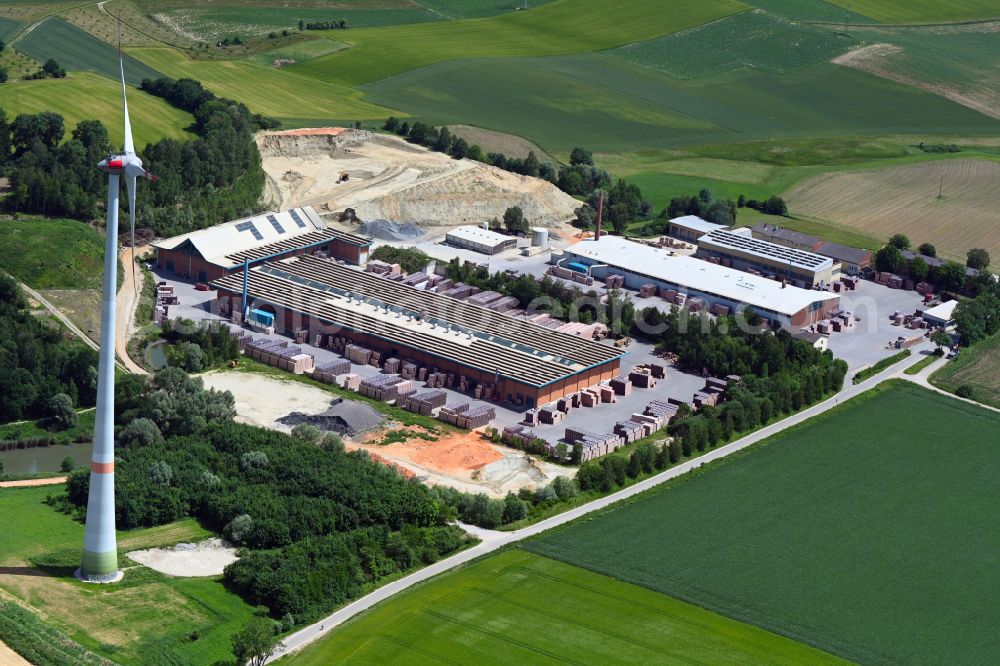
(274, 223)
(249, 226)
(298, 220)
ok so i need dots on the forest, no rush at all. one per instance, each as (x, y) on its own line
(37, 363)
(209, 179)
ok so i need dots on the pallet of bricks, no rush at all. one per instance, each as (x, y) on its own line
(463, 416)
(518, 436)
(440, 380)
(593, 444)
(423, 402)
(357, 354)
(629, 431)
(384, 387)
(328, 372)
(242, 338)
(265, 350)
(293, 360)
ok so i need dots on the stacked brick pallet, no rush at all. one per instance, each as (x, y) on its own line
(424, 402)
(382, 387)
(477, 417)
(593, 445)
(550, 415)
(328, 372)
(484, 298)
(519, 435)
(642, 379)
(621, 385)
(357, 354)
(629, 431)
(614, 281)
(647, 290)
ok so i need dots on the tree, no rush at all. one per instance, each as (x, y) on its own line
(67, 464)
(52, 68)
(1, 469)
(952, 275)
(927, 250)
(3, 75)
(899, 241)
(918, 269)
(977, 258)
(619, 217)
(255, 643)
(581, 156)
(140, 432)
(941, 338)
(443, 143)
(513, 220)
(307, 433)
(965, 391)
(61, 411)
(302, 25)
(741, 201)
(391, 124)
(888, 259)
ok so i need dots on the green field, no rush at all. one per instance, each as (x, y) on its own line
(294, 99)
(754, 40)
(148, 618)
(52, 254)
(562, 26)
(608, 105)
(977, 366)
(463, 9)
(520, 608)
(862, 532)
(808, 10)
(77, 50)
(9, 28)
(87, 96)
(923, 11)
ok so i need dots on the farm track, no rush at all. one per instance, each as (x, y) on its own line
(496, 540)
(24, 32)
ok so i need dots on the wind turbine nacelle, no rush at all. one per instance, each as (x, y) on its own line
(112, 165)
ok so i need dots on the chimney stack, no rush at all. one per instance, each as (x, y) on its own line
(600, 214)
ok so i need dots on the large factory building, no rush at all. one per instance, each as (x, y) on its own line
(798, 267)
(714, 283)
(530, 365)
(209, 254)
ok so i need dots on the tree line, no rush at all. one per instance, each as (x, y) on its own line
(42, 374)
(203, 181)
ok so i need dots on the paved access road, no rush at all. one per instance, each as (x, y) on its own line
(492, 540)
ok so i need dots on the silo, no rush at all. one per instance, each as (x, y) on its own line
(540, 237)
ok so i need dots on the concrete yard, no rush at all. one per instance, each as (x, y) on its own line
(206, 558)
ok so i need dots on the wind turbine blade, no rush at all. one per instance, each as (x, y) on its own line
(129, 148)
(130, 182)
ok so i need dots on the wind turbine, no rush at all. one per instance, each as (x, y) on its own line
(100, 550)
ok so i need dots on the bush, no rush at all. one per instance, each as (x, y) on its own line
(61, 412)
(307, 433)
(140, 432)
(67, 465)
(965, 391)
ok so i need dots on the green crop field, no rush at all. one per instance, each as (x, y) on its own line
(77, 50)
(562, 26)
(282, 93)
(52, 254)
(923, 11)
(149, 618)
(463, 9)
(299, 51)
(862, 532)
(808, 10)
(9, 28)
(977, 367)
(87, 96)
(608, 105)
(753, 40)
(520, 608)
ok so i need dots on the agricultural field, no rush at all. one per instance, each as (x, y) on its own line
(860, 532)
(9, 28)
(148, 618)
(518, 607)
(295, 100)
(961, 63)
(978, 367)
(904, 199)
(498, 142)
(298, 52)
(52, 254)
(922, 11)
(809, 10)
(88, 96)
(77, 50)
(136, 27)
(463, 9)
(755, 40)
(559, 27)
(611, 106)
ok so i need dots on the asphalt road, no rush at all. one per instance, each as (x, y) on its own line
(492, 541)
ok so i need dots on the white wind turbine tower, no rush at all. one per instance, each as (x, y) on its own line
(100, 550)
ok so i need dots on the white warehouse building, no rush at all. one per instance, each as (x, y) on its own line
(480, 240)
(715, 284)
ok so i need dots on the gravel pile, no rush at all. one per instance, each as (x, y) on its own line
(391, 231)
(345, 417)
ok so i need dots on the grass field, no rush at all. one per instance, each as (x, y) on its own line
(860, 532)
(959, 62)
(978, 367)
(561, 26)
(463, 9)
(608, 105)
(904, 199)
(88, 96)
(828, 231)
(520, 608)
(808, 10)
(281, 93)
(77, 50)
(922, 11)
(9, 28)
(52, 254)
(754, 40)
(299, 51)
(149, 618)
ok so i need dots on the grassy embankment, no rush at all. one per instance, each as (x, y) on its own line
(760, 536)
(872, 370)
(977, 367)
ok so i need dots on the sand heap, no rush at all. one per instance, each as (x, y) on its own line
(390, 179)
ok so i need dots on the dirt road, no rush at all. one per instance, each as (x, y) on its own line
(31, 483)
(10, 658)
(127, 303)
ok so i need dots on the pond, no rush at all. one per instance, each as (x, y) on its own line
(44, 458)
(156, 354)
